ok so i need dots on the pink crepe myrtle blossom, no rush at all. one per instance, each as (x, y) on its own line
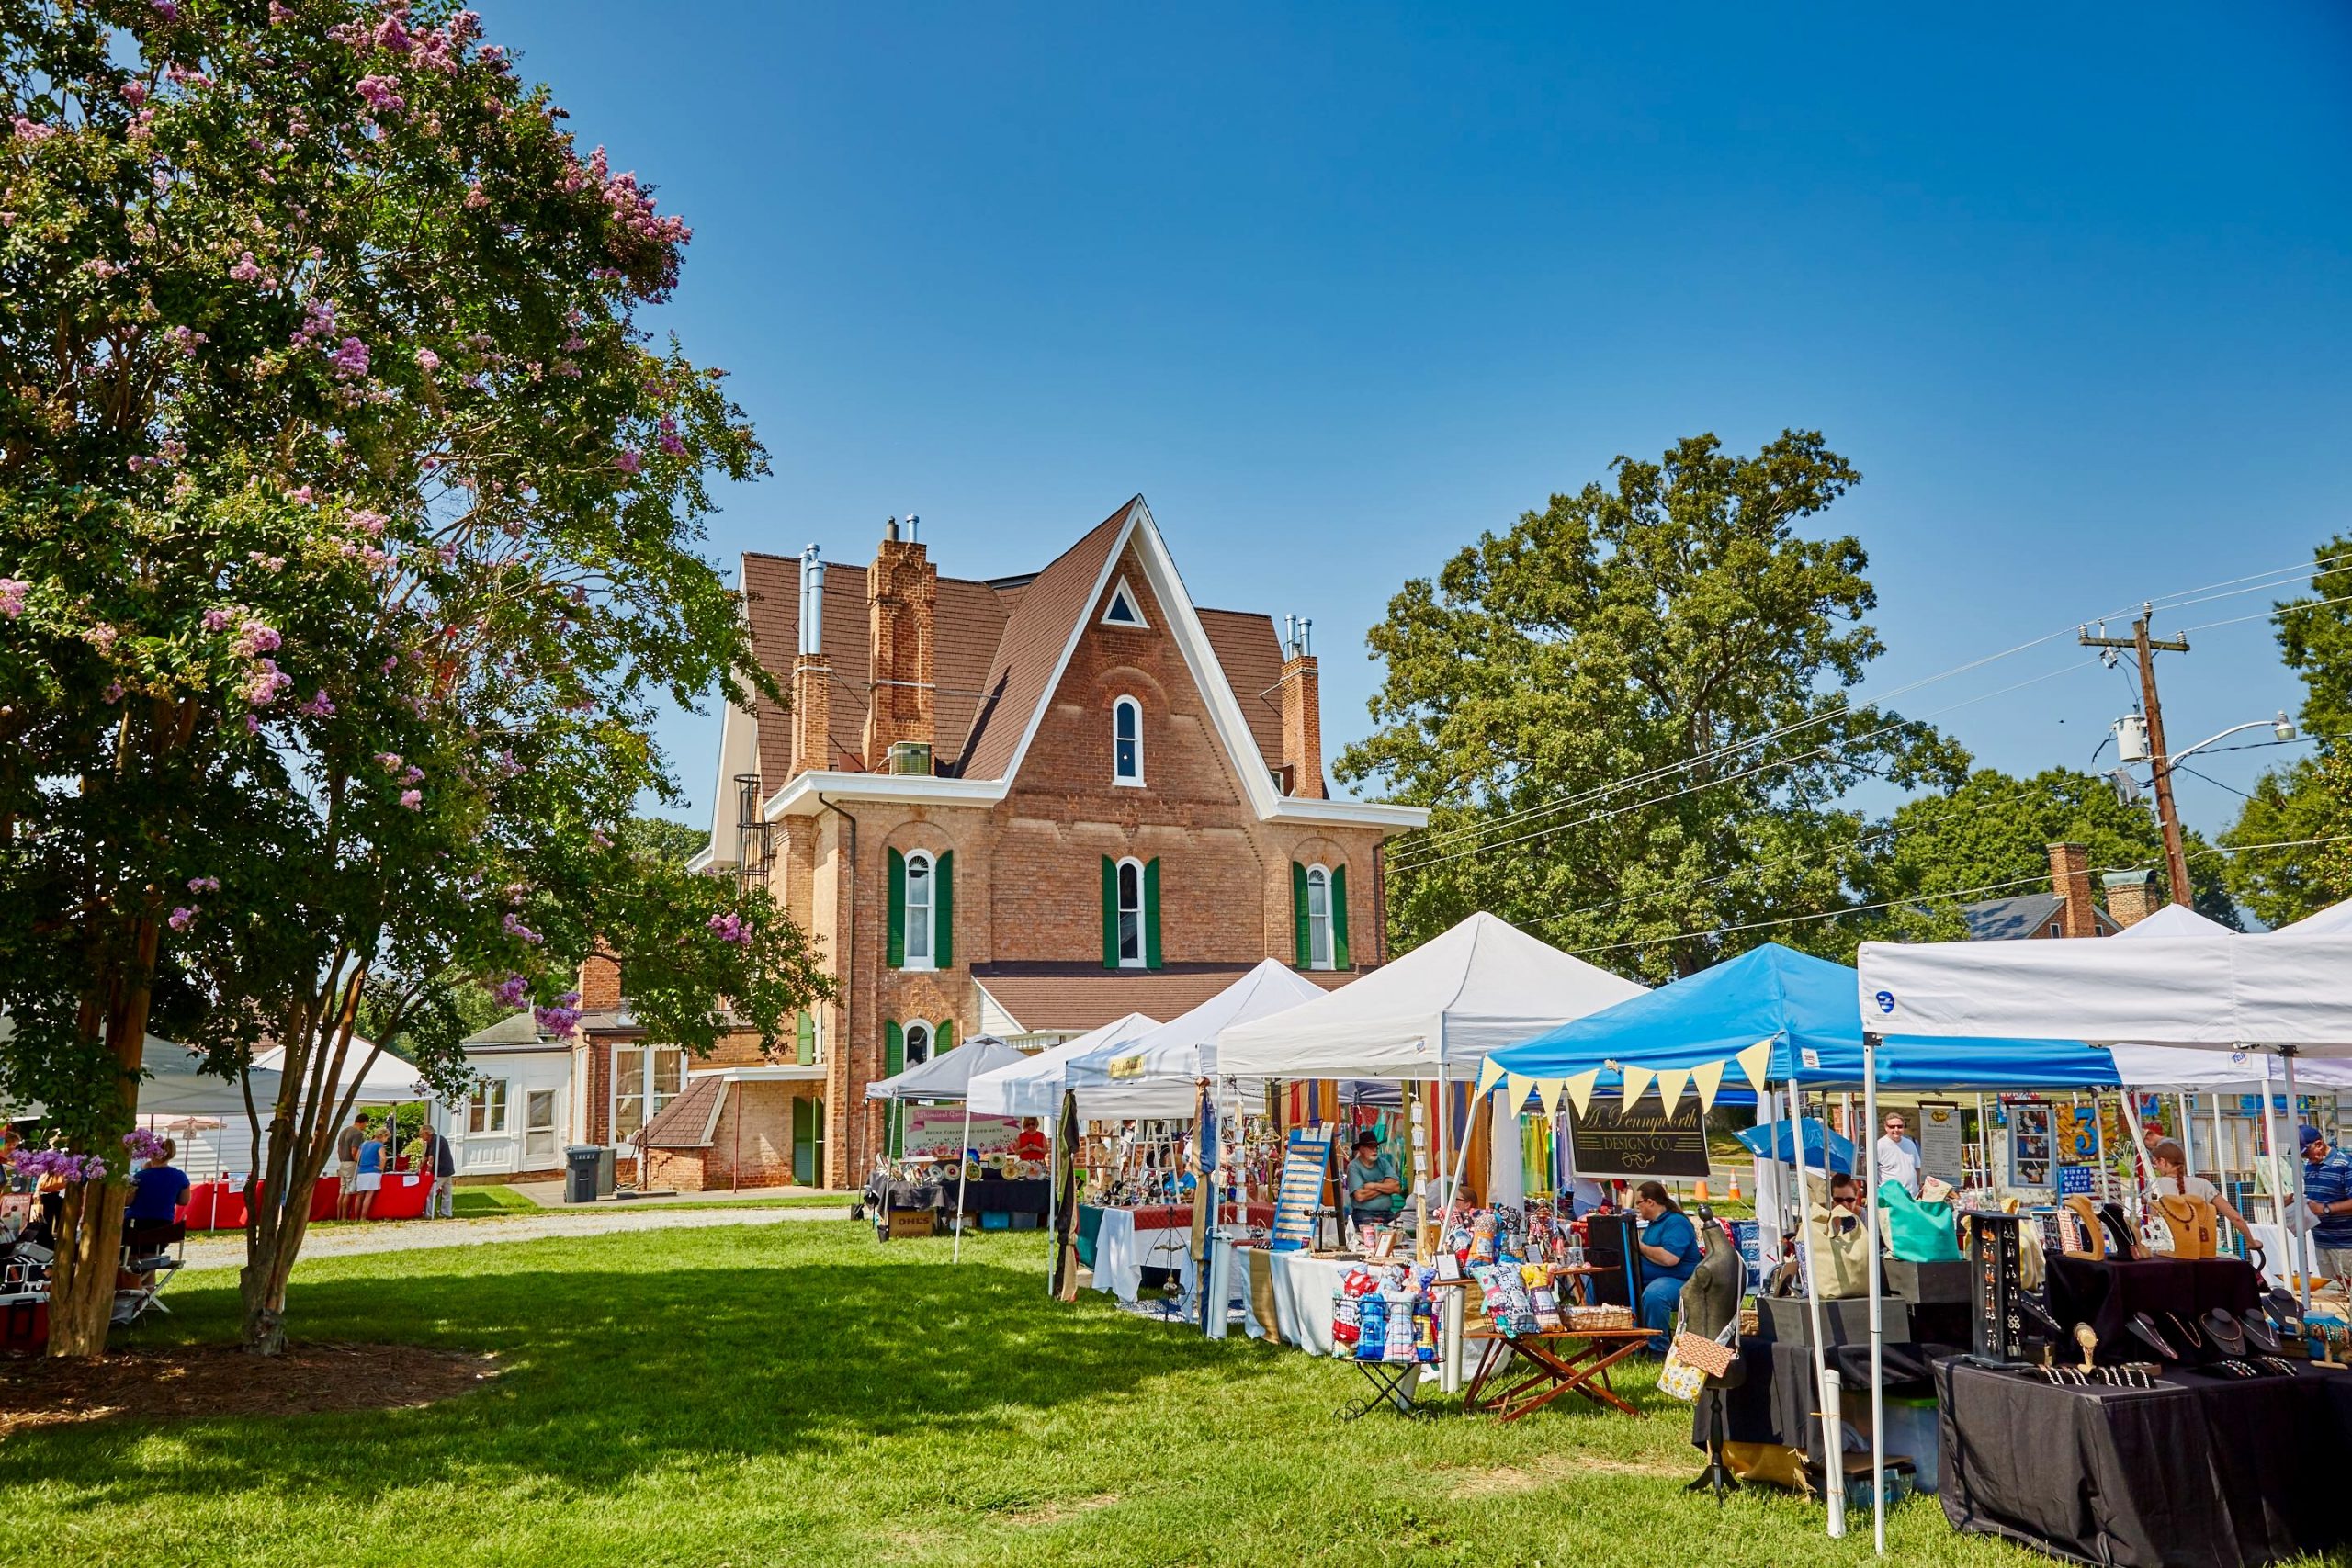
(378, 91)
(730, 927)
(255, 636)
(389, 761)
(517, 929)
(414, 775)
(60, 1163)
(101, 636)
(320, 706)
(302, 495)
(113, 693)
(31, 129)
(265, 684)
(630, 460)
(12, 597)
(392, 37)
(180, 918)
(167, 11)
(246, 270)
(220, 620)
(511, 991)
(204, 884)
(427, 361)
(143, 1144)
(134, 93)
(391, 662)
(560, 1019)
(350, 359)
(413, 799)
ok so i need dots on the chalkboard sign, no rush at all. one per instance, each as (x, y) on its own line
(1607, 1141)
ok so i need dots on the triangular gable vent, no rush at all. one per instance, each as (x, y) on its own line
(1121, 611)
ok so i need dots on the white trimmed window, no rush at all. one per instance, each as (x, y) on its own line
(1131, 949)
(645, 1078)
(486, 1112)
(918, 1045)
(1123, 608)
(920, 896)
(1318, 918)
(1127, 742)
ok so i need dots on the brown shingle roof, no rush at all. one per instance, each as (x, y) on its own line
(1034, 636)
(997, 643)
(1252, 656)
(687, 1121)
(1055, 997)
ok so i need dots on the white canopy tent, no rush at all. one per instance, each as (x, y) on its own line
(387, 1080)
(2188, 1068)
(949, 1074)
(1033, 1087)
(1177, 1054)
(1433, 1013)
(2335, 918)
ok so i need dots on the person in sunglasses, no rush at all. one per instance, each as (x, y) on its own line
(1898, 1157)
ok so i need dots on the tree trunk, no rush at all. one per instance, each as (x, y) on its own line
(262, 1282)
(89, 1252)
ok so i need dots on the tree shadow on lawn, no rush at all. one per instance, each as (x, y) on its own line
(609, 1375)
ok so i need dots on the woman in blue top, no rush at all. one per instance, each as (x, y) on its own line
(1669, 1247)
(371, 1170)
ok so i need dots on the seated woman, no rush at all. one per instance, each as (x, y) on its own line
(1670, 1248)
(157, 1189)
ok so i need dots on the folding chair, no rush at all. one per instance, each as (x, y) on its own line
(152, 1254)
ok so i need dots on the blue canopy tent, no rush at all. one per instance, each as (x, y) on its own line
(1773, 1136)
(1785, 1017)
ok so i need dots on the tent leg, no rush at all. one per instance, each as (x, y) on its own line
(1833, 1428)
(2302, 1238)
(2141, 1181)
(962, 1170)
(2277, 1198)
(1878, 1330)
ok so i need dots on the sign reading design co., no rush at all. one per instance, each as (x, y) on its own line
(1642, 1144)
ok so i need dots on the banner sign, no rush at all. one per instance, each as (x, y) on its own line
(1306, 1156)
(1646, 1144)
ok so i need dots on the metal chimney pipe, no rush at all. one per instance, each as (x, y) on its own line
(891, 530)
(812, 601)
(914, 525)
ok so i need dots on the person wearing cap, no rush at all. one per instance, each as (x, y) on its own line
(2328, 1187)
(1372, 1184)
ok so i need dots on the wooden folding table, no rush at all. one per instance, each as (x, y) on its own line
(1557, 1361)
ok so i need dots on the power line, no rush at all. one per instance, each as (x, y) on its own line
(2272, 615)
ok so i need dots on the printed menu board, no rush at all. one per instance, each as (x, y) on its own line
(1306, 1156)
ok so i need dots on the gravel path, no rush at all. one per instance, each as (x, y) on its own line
(228, 1250)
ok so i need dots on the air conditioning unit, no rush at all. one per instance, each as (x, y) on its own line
(911, 757)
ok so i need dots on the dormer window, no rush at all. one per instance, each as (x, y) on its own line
(1122, 610)
(1127, 742)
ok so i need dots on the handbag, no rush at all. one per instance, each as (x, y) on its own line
(1690, 1360)
(1840, 1258)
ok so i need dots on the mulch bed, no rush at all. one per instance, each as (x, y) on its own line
(198, 1381)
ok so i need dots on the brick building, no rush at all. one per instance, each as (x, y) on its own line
(1024, 806)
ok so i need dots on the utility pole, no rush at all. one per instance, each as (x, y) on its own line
(2145, 648)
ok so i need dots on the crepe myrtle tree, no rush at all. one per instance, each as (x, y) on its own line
(349, 531)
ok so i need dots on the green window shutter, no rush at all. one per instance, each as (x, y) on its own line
(1306, 944)
(817, 1143)
(805, 1041)
(1340, 917)
(896, 942)
(943, 924)
(944, 1032)
(1110, 913)
(1151, 913)
(804, 1144)
(894, 1050)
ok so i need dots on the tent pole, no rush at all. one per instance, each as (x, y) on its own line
(1832, 1436)
(2302, 1208)
(1878, 1331)
(2187, 1128)
(963, 1170)
(2220, 1148)
(2270, 1152)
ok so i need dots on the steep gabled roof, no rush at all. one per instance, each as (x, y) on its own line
(1037, 639)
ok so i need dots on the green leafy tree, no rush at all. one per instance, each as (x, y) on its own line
(2307, 808)
(1989, 838)
(349, 538)
(1629, 715)
(664, 839)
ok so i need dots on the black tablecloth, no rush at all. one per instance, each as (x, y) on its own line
(881, 1194)
(2104, 1295)
(1775, 1402)
(987, 1196)
(2203, 1472)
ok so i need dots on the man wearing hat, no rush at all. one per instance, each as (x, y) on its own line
(1372, 1188)
(2327, 1187)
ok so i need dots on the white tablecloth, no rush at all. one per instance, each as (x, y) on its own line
(1122, 1253)
(1303, 1287)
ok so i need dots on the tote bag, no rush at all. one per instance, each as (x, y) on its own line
(1840, 1258)
(1916, 1232)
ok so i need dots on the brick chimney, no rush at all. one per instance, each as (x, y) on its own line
(2132, 897)
(600, 982)
(812, 674)
(1302, 712)
(2070, 878)
(902, 597)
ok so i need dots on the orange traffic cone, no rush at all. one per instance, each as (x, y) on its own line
(1736, 1196)
(1700, 1189)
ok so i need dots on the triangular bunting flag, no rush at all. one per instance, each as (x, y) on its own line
(1488, 1071)
(1638, 1083)
(1669, 1086)
(1581, 1089)
(1754, 1061)
(1517, 1089)
(1548, 1091)
(1707, 1077)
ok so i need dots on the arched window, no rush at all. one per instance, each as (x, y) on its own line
(1318, 918)
(918, 903)
(1131, 949)
(1126, 741)
(918, 1044)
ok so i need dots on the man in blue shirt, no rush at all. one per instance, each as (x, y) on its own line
(1374, 1191)
(1669, 1247)
(2328, 1187)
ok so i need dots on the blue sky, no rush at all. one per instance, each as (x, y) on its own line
(1337, 288)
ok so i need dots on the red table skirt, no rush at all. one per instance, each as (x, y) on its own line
(1179, 1216)
(220, 1206)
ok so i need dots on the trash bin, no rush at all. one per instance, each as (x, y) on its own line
(582, 1163)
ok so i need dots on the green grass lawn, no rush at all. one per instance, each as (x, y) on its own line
(473, 1201)
(801, 1393)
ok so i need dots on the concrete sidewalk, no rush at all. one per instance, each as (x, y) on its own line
(549, 1195)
